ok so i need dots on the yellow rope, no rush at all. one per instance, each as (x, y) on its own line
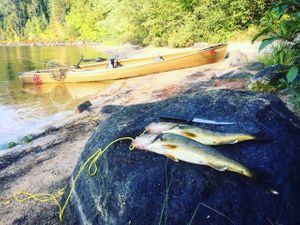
(22, 196)
(94, 159)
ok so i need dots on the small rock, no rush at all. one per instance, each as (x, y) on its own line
(212, 76)
(83, 106)
(238, 58)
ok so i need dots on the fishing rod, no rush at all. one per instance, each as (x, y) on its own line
(82, 59)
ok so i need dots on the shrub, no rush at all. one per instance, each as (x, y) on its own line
(282, 24)
(280, 54)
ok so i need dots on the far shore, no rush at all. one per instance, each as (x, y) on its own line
(27, 43)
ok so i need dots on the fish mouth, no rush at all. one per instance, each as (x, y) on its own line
(158, 128)
(142, 142)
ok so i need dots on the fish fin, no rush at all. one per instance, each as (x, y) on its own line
(219, 168)
(172, 157)
(233, 141)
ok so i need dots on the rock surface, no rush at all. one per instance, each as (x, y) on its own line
(236, 79)
(130, 187)
(268, 78)
(254, 66)
(271, 74)
(235, 74)
(238, 58)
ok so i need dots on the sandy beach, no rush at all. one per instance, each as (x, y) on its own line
(45, 164)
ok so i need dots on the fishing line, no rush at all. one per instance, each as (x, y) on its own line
(22, 196)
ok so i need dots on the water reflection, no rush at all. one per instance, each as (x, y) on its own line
(66, 95)
(24, 109)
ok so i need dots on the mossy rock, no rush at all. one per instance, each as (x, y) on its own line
(11, 144)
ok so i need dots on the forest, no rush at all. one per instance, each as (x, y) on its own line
(177, 23)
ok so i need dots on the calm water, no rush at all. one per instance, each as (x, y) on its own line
(26, 109)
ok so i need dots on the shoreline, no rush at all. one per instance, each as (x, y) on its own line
(128, 51)
(56, 150)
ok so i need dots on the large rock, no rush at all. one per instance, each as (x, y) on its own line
(130, 187)
(238, 58)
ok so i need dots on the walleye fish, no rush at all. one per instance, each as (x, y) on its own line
(177, 148)
(203, 136)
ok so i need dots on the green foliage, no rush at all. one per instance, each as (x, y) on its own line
(295, 95)
(27, 139)
(34, 28)
(273, 87)
(81, 21)
(281, 54)
(282, 24)
(292, 74)
(176, 23)
(11, 144)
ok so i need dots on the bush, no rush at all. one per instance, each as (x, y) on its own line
(282, 24)
(176, 23)
(281, 53)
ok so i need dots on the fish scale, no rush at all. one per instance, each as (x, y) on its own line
(201, 135)
(178, 148)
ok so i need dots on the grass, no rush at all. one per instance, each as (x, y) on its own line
(281, 54)
(294, 99)
(164, 209)
(194, 214)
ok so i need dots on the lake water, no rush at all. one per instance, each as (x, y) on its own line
(26, 109)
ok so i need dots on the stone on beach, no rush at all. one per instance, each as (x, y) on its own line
(238, 58)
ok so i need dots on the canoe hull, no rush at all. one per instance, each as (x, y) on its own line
(131, 67)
